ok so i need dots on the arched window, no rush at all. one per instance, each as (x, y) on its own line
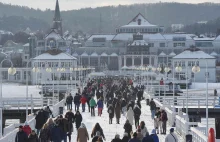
(139, 21)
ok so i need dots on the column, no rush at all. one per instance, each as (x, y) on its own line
(98, 61)
(132, 60)
(125, 61)
(108, 60)
(150, 60)
(142, 60)
(89, 61)
(119, 62)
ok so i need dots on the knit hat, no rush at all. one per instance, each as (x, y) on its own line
(171, 130)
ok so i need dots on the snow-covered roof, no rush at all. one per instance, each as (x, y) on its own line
(162, 54)
(114, 54)
(26, 45)
(204, 39)
(188, 54)
(84, 54)
(60, 56)
(107, 37)
(53, 34)
(172, 54)
(214, 53)
(104, 54)
(146, 37)
(139, 42)
(94, 54)
(124, 68)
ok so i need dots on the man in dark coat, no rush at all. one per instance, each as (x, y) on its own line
(77, 101)
(41, 118)
(128, 128)
(55, 134)
(137, 114)
(118, 112)
(153, 108)
(78, 119)
(21, 136)
(111, 113)
(69, 100)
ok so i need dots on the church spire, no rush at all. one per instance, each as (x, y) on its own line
(57, 21)
(57, 16)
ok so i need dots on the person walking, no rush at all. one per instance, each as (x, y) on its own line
(78, 119)
(157, 121)
(134, 139)
(117, 138)
(152, 108)
(27, 128)
(83, 101)
(171, 137)
(40, 118)
(125, 138)
(70, 117)
(137, 114)
(147, 138)
(143, 128)
(118, 112)
(164, 121)
(128, 128)
(21, 136)
(77, 101)
(100, 105)
(123, 106)
(55, 133)
(69, 100)
(82, 134)
(92, 104)
(33, 137)
(130, 116)
(97, 128)
(44, 134)
(111, 113)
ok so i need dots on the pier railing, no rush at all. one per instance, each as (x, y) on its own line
(198, 135)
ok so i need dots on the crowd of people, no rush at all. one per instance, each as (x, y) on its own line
(120, 97)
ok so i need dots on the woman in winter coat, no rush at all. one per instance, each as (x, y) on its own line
(128, 128)
(44, 134)
(137, 114)
(33, 137)
(118, 112)
(82, 134)
(96, 128)
(100, 106)
(78, 119)
(130, 115)
(111, 113)
(55, 133)
(27, 128)
(143, 128)
(50, 123)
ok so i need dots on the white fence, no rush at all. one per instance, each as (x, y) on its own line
(198, 135)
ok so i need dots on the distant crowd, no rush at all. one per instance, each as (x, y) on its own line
(120, 97)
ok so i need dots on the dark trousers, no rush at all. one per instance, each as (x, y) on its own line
(76, 106)
(92, 111)
(83, 107)
(164, 127)
(69, 106)
(136, 120)
(118, 120)
(110, 120)
(88, 105)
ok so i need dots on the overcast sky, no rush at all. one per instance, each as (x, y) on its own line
(77, 4)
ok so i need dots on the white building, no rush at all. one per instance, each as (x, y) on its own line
(194, 56)
(176, 27)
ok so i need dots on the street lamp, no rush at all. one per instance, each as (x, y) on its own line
(11, 71)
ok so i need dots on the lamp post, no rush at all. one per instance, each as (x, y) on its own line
(11, 71)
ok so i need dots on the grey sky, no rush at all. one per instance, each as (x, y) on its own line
(77, 4)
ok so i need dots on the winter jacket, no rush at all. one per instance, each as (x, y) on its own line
(125, 139)
(77, 99)
(83, 100)
(21, 136)
(92, 102)
(100, 104)
(44, 134)
(152, 105)
(155, 137)
(171, 138)
(96, 130)
(118, 110)
(137, 112)
(134, 140)
(123, 103)
(78, 120)
(130, 116)
(41, 118)
(128, 128)
(33, 138)
(55, 134)
(144, 131)
(164, 116)
(69, 99)
(116, 140)
(148, 139)
(70, 116)
(139, 136)
(111, 111)
(82, 135)
(27, 129)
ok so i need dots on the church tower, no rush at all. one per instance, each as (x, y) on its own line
(57, 21)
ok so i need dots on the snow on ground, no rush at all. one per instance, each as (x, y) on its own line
(12, 90)
(111, 129)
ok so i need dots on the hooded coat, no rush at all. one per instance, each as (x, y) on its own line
(118, 110)
(27, 129)
(41, 118)
(130, 116)
(82, 134)
(111, 111)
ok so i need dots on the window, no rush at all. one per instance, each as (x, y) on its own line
(162, 44)
(204, 44)
(179, 38)
(139, 21)
(151, 44)
(179, 44)
(101, 39)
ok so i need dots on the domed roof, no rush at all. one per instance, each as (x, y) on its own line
(104, 54)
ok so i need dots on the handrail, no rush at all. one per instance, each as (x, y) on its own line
(197, 135)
